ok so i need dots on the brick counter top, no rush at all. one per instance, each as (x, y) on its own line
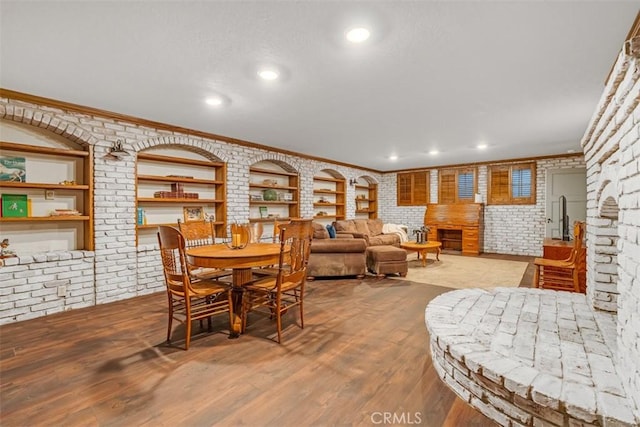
(522, 356)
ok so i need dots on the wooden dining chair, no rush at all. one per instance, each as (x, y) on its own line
(271, 270)
(201, 233)
(275, 295)
(189, 300)
(564, 274)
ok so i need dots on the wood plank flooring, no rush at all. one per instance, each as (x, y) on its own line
(362, 355)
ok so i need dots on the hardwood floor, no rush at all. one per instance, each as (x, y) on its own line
(362, 356)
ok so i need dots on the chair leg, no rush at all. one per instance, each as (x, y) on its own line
(576, 282)
(170, 320)
(279, 324)
(188, 328)
(301, 311)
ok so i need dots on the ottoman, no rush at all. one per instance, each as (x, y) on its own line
(385, 259)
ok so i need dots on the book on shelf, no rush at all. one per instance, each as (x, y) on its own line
(64, 212)
(14, 206)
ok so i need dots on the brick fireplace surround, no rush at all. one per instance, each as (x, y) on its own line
(540, 357)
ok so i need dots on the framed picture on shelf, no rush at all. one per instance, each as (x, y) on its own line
(13, 169)
(263, 212)
(193, 213)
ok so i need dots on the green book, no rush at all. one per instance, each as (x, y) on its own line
(14, 205)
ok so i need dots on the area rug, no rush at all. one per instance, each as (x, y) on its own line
(457, 271)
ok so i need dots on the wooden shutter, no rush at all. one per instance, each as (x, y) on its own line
(420, 189)
(404, 189)
(499, 184)
(447, 187)
(413, 188)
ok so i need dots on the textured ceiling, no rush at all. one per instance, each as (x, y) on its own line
(523, 77)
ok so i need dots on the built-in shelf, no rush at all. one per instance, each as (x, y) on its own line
(366, 200)
(267, 175)
(205, 178)
(329, 194)
(58, 164)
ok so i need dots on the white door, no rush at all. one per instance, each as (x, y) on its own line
(571, 183)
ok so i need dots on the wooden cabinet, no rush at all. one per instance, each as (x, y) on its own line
(458, 226)
(171, 188)
(328, 197)
(273, 193)
(367, 200)
(58, 185)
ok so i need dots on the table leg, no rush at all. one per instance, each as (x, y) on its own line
(423, 253)
(240, 277)
(438, 250)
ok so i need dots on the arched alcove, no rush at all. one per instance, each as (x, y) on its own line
(329, 196)
(274, 191)
(366, 188)
(175, 181)
(603, 268)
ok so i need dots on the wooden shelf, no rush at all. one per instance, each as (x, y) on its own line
(208, 176)
(180, 160)
(42, 150)
(82, 194)
(158, 178)
(327, 192)
(174, 224)
(46, 218)
(325, 217)
(12, 184)
(182, 201)
(272, 202)
(328, 179)
(275, 187)
(285, 182)
(281, 218)
(318, 205)
(272, 172)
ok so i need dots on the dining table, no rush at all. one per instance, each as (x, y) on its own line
(241, 262)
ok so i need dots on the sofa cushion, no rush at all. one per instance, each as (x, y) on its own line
(384, 239)
(332, 231)
(375, 227)
(346, 225)
(319, 232)
(338, 245)
(362, 226)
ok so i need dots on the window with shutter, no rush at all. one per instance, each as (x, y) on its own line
(457, 185)
(413, 188)
(512, 184)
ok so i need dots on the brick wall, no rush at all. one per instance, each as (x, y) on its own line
(612, 153)
(121, 270)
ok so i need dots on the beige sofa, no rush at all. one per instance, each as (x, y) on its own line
(341, 256)
(368, 229)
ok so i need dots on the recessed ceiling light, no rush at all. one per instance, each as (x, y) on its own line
(393, 157)
(268, 74)
(571, 151)
(357, 35)
(433, 152)
(214, 101)
(482, 146)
